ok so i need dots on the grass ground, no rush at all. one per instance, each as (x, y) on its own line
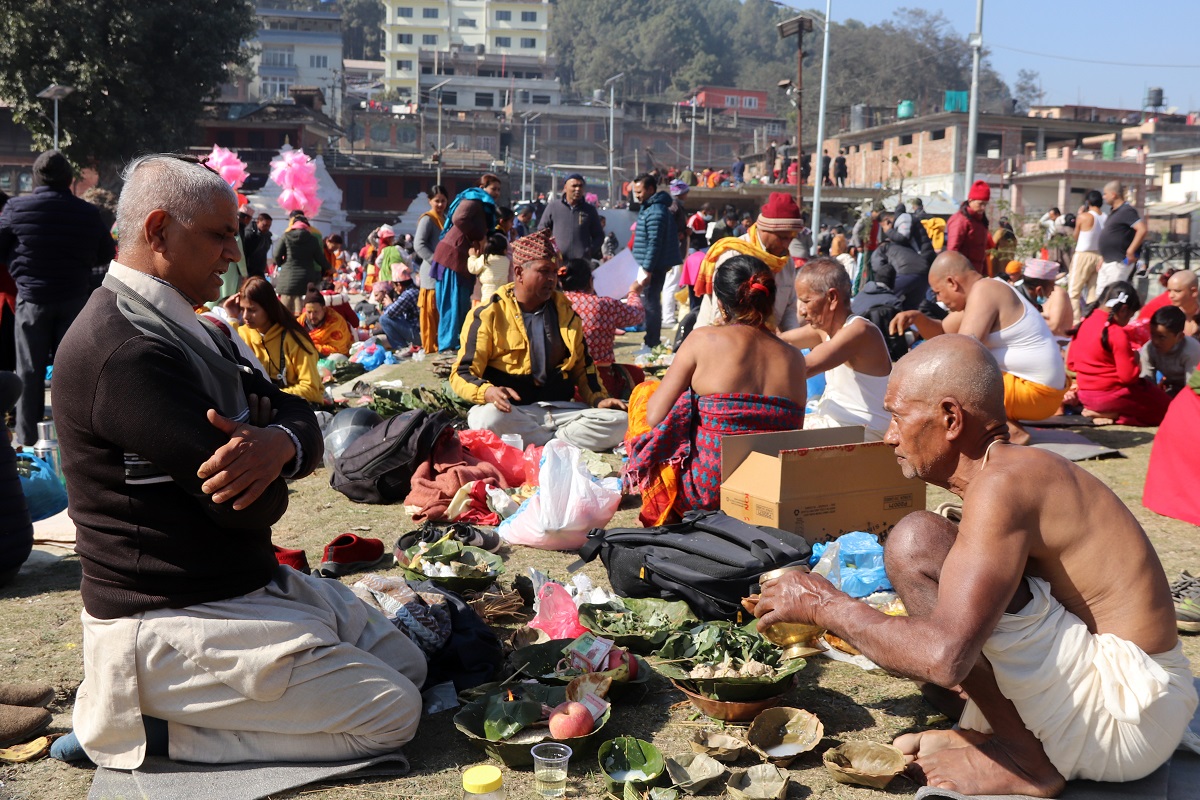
(40, 640)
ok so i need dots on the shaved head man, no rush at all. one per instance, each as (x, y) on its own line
(1120, 238)
(1045, 597)
(1184, 293)
(996, 313)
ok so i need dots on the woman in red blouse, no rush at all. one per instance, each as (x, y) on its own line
(601, 317)
(1106, 366)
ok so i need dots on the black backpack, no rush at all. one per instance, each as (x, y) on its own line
(710, 560)
(378, 466)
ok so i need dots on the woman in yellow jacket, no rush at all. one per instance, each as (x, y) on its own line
(279, 341)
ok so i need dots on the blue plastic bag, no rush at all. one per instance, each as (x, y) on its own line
(853, 563)
(44, 492)
(370, 357)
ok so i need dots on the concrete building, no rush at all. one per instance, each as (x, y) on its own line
(293, 48)
(484, 49)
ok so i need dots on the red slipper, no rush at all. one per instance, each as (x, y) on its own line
(349, 553)
(296, 559)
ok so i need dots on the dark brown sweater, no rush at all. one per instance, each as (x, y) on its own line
(133, 432)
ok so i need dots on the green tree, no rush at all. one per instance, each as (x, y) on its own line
(141, 70)
(1027, 91)
(362, 31)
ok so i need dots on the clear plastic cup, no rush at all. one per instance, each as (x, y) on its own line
(550, 760)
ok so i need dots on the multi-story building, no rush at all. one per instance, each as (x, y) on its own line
(294, 48)
(488, 53)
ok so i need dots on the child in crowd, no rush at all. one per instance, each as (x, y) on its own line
(1106, 367)
(492, 266)
(1169, 351)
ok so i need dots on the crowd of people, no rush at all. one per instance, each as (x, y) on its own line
(250, 661)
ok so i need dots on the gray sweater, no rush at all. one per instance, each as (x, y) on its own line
(424, 242)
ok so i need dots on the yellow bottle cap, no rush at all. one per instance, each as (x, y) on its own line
(482, 779)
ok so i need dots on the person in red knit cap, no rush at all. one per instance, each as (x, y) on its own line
(967, 230)
(1107, 369)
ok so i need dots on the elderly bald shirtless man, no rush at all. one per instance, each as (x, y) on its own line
(995, 313)
(1047, 604)
(1183, 289)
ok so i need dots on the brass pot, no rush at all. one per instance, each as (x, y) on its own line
(798, 640)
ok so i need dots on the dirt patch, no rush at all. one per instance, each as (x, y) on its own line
(40, 638)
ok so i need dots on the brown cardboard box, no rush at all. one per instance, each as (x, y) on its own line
(819, 484)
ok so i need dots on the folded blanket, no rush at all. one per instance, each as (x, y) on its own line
(437, 480)
(1102, 709)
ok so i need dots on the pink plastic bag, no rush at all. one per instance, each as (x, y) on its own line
(486, 446)
(557, 615)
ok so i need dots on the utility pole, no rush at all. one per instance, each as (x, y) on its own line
(817, 151)
(438, 89)
(797, 26)
(975, 40)
(611, 83)
(527, 118)
(692, 150)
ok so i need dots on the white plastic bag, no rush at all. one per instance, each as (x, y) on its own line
(569, 502)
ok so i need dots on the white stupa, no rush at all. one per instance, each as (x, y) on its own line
(412, 215)
(329, 220)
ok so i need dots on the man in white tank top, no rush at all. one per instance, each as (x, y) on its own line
(993, 312)
(850, 350)
(1081, 283)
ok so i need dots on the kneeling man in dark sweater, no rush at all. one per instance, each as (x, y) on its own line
(175, 454)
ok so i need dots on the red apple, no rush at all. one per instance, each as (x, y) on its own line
(617, 658)
(571, 719)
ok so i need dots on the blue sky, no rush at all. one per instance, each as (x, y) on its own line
(1151, 32)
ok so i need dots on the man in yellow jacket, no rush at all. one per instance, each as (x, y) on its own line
(523, 361)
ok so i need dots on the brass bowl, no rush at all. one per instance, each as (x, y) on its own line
(798, 640)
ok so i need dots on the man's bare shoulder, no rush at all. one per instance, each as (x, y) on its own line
(1017, 479)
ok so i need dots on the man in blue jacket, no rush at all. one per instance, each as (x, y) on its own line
(50, 240)
(655, 248)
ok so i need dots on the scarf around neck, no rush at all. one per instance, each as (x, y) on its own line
(708, 267)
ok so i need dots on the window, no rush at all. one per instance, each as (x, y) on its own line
(277, 58)
(466, 22)
(568, 156)
(256, 139)
(568, 130)
(404, 12)
(528, 16)
(485, 143)
(429, 38)
(403, 38)
(427, 70)
(404, 65)
(485, 100)
(1176, 173)
(503, 16)
(749, 102)
(528, 42)
(877, 145)
(404, 93)
(318, 62)
(429, 13)
(906, 139)
(503, 41)
(276, 87)
(449, 98)
(937, 135)
(378, 187)
(541, 99)
(731, 101)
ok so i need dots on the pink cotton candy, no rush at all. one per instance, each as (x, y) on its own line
(226, 164)
(296, 174)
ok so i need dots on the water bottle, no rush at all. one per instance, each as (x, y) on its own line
(46, 447)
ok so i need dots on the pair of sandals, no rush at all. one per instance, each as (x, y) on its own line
(430, 532)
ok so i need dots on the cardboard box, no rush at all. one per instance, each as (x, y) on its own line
(819, 484)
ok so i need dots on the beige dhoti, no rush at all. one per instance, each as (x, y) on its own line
(298, 670)
(1102, 709)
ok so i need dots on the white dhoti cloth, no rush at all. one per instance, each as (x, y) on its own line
(1102, 709)
(299, 670)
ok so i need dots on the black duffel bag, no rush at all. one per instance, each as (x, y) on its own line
(378, 466)
(710, 560)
